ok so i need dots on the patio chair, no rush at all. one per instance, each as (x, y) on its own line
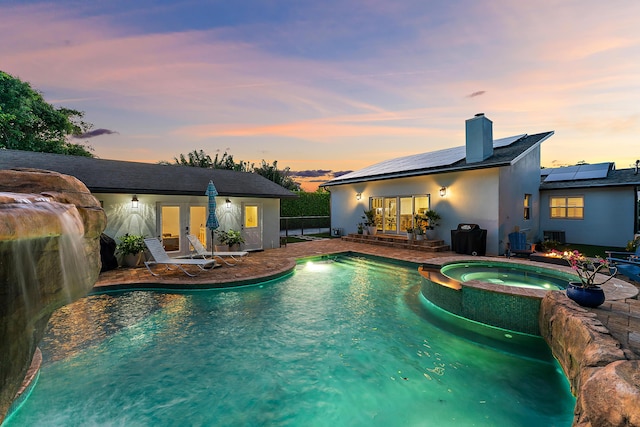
(160, 257)
(627, 263)
(199, 251)
(518, 244)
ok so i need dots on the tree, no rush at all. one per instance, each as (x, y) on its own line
(198, 158)
(201, 159)
(227, 162)
(195, 158)
(29, 123)
(272, 173)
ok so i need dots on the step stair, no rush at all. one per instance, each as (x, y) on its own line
(399, 241)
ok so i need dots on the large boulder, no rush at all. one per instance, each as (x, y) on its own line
(606, 384)
(50, 228)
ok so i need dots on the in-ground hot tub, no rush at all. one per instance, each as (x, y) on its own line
(508, 274)
(501, 294)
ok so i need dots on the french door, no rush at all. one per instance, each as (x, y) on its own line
(396, 214)
(175, 221)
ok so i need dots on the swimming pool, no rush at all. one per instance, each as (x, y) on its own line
(508, 274)
(337, 343)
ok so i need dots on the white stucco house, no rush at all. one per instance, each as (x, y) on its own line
(496, 184)
(169, 201)
(492, 183)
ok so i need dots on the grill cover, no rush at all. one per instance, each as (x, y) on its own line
(469, 239)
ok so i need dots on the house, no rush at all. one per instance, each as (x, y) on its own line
(590, 204)
(492, 183)
(169, 201)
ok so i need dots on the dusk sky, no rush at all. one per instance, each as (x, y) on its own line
(330, 86)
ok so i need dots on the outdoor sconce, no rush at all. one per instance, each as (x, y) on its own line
(358, 196)
(443, 191)
(228, 202)
(134, 202)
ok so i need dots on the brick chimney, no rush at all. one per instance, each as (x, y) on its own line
(479, 144)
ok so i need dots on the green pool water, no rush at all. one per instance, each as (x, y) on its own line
(344, 343)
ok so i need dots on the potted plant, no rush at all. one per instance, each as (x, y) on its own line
(587, 292)
(130, 246)
(230, 238)
(370, 221)
(419, 232)
(432, 219)
(360, 228)
(409, 231)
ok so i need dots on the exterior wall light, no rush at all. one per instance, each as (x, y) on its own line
(358, 196)
(228, 202)
(443, 191)
(134, 202)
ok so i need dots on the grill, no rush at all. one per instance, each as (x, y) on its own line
(469, 239)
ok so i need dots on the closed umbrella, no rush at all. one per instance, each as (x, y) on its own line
(212, 219)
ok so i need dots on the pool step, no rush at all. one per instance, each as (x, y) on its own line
(398, 241)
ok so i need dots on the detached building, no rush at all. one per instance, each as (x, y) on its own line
(169, 201)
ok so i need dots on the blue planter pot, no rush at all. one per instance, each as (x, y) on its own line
(586, 297)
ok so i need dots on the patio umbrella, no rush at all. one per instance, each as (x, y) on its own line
(212, 219)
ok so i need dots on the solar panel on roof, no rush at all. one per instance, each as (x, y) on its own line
(505, 142)
(445, 157)
(578, 172)
(558, 176)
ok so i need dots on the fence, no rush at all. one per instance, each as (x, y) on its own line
(302, 223)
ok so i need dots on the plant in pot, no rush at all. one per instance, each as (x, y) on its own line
(370, 221)
(419, 226)
(360, 228)
(230, 238)
(592, 272)
(130, 246)
(432, 219)
(419, 232)
(409, 231)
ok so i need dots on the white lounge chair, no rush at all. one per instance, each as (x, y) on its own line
(200, 251)
(160, 257)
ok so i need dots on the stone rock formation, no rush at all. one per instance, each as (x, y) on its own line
(50, 228)
(606, 384)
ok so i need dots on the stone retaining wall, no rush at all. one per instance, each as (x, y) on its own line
(604, 379)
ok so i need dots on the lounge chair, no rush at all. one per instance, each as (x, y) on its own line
(518, 244)
(160, 257)
(627, 263)
(199, 251)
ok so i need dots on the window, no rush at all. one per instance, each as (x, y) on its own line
(527, 206)
(567, 207)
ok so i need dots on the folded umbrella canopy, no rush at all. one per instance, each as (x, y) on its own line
(212, 219)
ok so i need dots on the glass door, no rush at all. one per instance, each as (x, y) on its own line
(170, 228)
(390, 215)
(197, 224)
(377, 206)
(252, 226)
(406, 213)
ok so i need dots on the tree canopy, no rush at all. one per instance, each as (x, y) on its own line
(198, 158)
(28, 122)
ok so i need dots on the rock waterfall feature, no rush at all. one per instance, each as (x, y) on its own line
(50, 228)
